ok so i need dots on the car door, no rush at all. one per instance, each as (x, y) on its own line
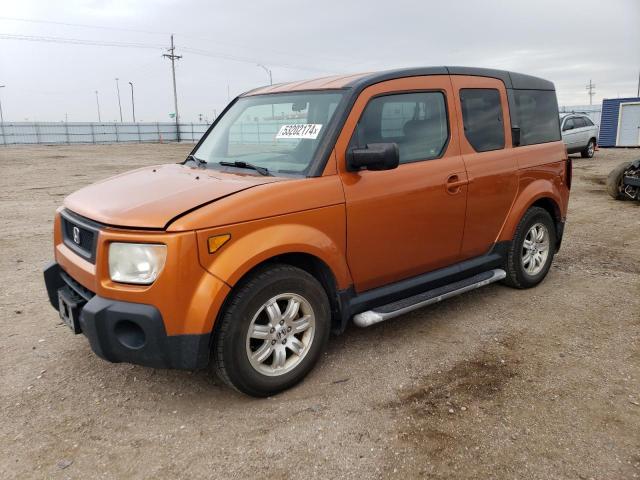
(582, 132)
(492, 169)
(569, 133)
(409, 220)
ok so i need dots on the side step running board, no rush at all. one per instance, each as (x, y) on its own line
(391, 310)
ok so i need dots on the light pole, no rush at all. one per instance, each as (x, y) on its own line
(1, 117)
(133, 104)
(98, 105)
(268, 73)
(119, 104)
(273, 114)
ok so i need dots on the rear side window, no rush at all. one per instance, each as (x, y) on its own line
(588, 121)
(482, 118)
(579, 122)
(416, 122)
(536, 113)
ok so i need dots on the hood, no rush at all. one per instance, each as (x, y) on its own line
(152, 197)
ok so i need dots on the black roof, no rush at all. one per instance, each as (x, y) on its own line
(518, 81)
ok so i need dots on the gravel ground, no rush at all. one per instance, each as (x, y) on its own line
(498, 383)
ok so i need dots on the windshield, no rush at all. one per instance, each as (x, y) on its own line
(279, 132)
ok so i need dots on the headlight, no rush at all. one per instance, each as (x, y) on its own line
(138, 263)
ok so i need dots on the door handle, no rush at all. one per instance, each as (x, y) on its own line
(454, 182)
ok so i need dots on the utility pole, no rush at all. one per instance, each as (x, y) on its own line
(133, 104)
(1, 117)
(119, 104)
(638, 94)
(591, 92)
(98, 105)
(173, 57)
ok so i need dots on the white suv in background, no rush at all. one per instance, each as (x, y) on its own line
(579, 134)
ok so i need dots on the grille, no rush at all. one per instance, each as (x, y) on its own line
(80, 235)
(78, 289)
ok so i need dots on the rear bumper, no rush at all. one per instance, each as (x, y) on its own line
(129, 332)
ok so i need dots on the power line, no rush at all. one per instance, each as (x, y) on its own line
(155, 32)
(77, 41)
(195, 51)
(243, 59)
(81, 25)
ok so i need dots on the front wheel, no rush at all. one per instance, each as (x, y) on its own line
(272, 331)
(531, 250)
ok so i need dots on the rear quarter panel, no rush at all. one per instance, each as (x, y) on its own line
(541, 174)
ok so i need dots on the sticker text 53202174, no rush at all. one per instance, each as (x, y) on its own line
(300, 130)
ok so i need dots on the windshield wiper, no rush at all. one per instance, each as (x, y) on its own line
(195, 159)
(241, 164)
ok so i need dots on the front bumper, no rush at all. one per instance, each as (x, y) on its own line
(129, 332)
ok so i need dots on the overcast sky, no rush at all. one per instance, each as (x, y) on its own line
(568, 42)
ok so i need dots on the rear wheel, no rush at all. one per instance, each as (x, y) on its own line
(589, 150)
(532, 249)
(272, 331)
(614, 181)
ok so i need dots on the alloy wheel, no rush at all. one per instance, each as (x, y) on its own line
(280, 334)
(535, 249)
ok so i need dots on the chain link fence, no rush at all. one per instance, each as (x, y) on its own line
(66, 133)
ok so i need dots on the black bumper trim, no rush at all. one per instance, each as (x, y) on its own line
(132, 332)
(53, 281)
(559, 234)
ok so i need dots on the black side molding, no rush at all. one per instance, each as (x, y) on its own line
(351, 303)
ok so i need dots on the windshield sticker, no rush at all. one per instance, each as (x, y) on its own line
(300, 130)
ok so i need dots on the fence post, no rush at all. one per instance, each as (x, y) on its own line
(158, 132)
(4, 139)
(37, 132)
(93, 133)
(193, 136)
(66, 132)
(116, 127)
(139, 136)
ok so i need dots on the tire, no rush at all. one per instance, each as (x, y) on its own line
(614, 181)
(589, 150)
(283, 286)
(518, 275)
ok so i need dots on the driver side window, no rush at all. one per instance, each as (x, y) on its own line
(416, 122)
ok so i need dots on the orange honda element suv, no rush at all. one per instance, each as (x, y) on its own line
(310, 204)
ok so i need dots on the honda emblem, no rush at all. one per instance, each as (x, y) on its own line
(76, 235)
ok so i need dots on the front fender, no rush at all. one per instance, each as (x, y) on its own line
(320, 232)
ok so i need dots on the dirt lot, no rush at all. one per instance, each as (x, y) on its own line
(499, 383)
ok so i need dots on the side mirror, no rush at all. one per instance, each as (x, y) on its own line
(376, 156)
(515, 136)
